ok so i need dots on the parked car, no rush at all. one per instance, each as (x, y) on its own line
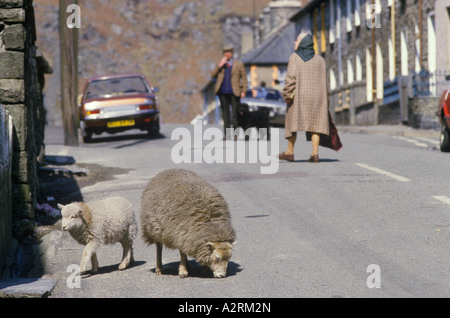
(257, 97)
(117, 103)
(444, 117)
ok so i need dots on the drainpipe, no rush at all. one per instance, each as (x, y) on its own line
(374, 90)
(394, 53)
(420, 35)
(338, 35)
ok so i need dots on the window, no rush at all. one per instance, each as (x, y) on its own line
(404, 54)
(349, 15)
(350, 74)
(380, 77)
(358, 68)
(316, 45)
(357, 13)
(332, 22)
(391, 60)
(369, 79)
(417, 49)
(323, 40)
(332, 79)
(432, 63)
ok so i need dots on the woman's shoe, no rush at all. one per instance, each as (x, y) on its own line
(284, 156)
(314, 158)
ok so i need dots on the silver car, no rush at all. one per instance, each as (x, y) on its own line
(258, 97)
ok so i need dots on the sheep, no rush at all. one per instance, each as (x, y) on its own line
(182, 211)
(106, 221)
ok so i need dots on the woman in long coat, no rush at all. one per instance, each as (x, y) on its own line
(306, 94)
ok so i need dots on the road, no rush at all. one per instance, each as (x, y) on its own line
(371, 220)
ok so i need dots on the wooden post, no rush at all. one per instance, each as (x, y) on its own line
(68, 38)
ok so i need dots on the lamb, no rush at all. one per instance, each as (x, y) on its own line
(182, 211)
(106, 221)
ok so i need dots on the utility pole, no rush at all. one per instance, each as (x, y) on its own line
(68, 37)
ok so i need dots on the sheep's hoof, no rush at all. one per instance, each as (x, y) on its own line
(158, 271)
(122, 267)
(182, 272)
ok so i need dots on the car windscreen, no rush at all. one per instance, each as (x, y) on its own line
(115, 86)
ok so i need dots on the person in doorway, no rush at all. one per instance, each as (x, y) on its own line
(277, 86)
(306, 94)
(231, 86)
(262, 91)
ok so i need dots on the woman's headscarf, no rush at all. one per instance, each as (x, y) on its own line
(306, 47)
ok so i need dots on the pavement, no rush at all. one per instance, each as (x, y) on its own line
(389, 130)
(27, 288)
(42, 288)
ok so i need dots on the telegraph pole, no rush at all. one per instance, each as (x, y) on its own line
(68, 37)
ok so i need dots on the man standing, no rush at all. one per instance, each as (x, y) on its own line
(231, 86)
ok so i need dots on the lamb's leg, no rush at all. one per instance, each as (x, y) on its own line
(182, 270)
(88, 251)
(127, 254)
(158, 269)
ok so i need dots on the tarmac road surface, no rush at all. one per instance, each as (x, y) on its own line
(372, 220)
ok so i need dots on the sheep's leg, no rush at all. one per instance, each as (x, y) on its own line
(127, 256)
(182, 270)
(94, 263)
(88, 251)
(158, 269)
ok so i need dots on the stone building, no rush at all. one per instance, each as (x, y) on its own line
(383, 61)
(21, 83)
(264, 49)
(272, 43)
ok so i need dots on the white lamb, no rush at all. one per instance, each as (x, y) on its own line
(108, 221)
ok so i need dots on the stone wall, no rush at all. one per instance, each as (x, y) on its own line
(5, 186)
(21, 83)
(422, 112)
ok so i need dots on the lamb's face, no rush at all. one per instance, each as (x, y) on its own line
(218, 260)
(70, 216)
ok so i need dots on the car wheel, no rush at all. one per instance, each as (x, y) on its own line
(86, 135)
(153, 130)
(445, 139)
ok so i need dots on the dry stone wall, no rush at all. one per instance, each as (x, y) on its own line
(21, 83)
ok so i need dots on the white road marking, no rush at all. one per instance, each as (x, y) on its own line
(413, 141)
(430, 140)
(442, 198)
(383, 172)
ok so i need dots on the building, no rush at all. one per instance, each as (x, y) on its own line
(273, 34)
(267, 57)
(384, 65)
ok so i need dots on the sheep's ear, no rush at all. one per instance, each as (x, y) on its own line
(80, 209)
(211, 245)
(60, 206)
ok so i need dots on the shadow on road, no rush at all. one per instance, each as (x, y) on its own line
(138, 138)
(196, 270)
(112, 268)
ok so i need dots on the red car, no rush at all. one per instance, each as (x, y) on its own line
(117, 103)
(444, 117)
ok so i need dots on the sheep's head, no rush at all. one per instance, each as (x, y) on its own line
(71, 216)
(220, 255)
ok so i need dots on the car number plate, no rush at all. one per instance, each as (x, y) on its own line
(121, 123)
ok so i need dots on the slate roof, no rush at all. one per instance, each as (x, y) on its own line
(275, 49)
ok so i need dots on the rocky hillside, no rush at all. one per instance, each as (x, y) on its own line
(175, 43)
